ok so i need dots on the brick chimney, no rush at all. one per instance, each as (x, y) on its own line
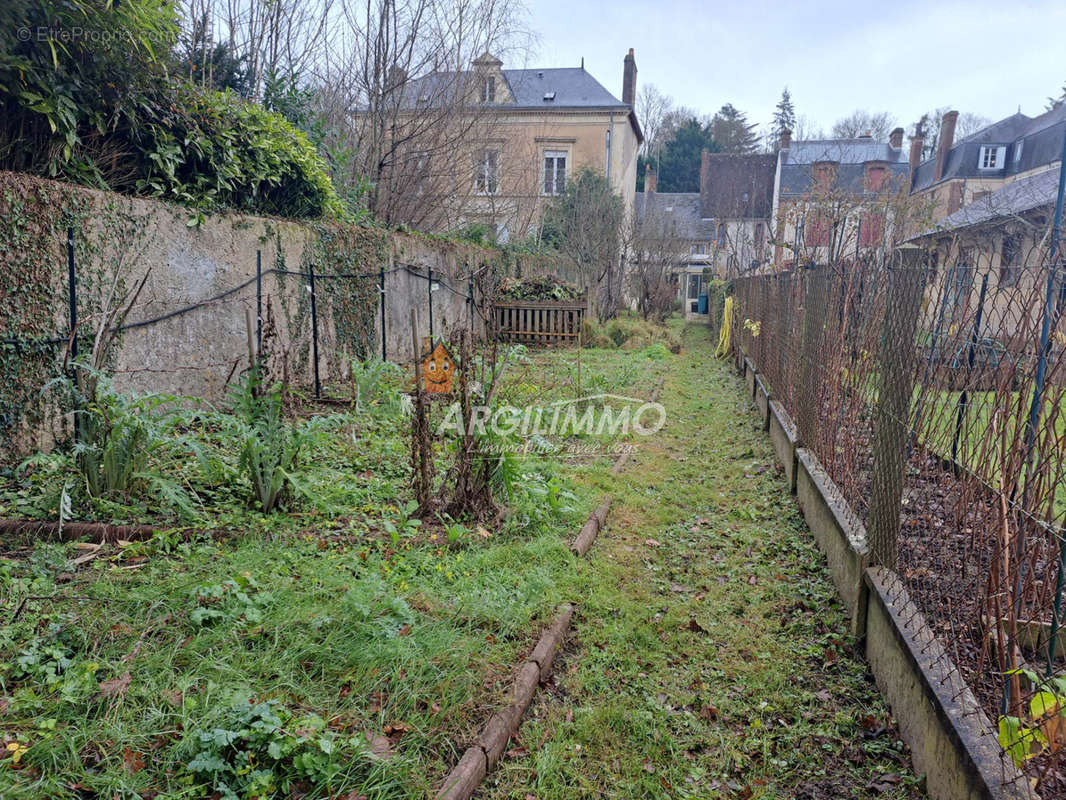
(917, 143)
(895, 139)
(629, 79)
(945, 142)
(651, 179)
(785, 141)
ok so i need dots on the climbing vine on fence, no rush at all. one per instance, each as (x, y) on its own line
(32, 250)
(353, 302)
(34, 302)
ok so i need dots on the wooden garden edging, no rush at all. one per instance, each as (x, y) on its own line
(482, 757)
(96, 532)
(539, 321)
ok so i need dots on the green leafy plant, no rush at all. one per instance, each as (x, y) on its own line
(122, 442)
(260, 749)
(237, 600)
(374, 383)
(270, 445)
(1045, 727)
(406, 526)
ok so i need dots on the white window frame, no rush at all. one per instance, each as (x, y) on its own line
(550, 183)
(487, 173)
(991, 157)
(488, 89)
(699, 249)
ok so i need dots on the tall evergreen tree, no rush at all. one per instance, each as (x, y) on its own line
(732, 131)
(679, 168)
(1055, 102)
(784, 119)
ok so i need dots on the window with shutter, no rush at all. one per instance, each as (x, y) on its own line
(816, 233)
(872, 230)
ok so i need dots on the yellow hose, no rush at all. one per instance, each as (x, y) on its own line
(726, 329)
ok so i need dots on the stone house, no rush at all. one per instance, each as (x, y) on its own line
(527, 131)
(992, 197)
(830, 197)
(720, 231)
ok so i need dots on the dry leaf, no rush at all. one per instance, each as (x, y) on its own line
(116, 687)
(380, 746)
(132, 761)
(652, 543)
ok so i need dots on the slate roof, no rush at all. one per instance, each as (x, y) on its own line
(683, 208)
(569, 88)
(1017, 197)
(850, 155)
(574, 87)
(1031, 142)
(738, 186)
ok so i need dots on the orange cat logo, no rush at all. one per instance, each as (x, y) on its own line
(438, 370)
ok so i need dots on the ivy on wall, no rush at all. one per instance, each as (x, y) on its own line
(352, 302)
(33, 303)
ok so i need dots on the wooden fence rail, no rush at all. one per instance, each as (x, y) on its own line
(539, 322)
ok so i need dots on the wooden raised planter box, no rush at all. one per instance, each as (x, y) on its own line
(544, 322)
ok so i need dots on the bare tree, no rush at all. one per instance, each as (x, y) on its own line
(272, 37)
(654, 249)
(861, 122)
(419, 120)
(652, 109)
(586, 224)
(807, 129)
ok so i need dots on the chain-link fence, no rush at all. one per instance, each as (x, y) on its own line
(932, 392)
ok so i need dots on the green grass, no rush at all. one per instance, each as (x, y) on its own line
(311, 653)
(709, 656)
(332, 648)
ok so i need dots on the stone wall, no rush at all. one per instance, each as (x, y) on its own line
(187, 332)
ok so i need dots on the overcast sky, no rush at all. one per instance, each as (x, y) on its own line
(905, 57)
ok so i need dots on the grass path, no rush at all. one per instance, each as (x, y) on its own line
(709, 657)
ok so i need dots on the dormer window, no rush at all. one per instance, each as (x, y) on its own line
(992, 156)
(488, 90)
(549, 97)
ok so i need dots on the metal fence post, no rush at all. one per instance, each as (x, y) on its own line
(970, 361)
(314, 328)
(381, 289)
(258, 302)
(898, 358)
(810, 378)
(72, 296)
(429, 291)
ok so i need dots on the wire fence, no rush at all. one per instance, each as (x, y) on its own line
(933, 390)
(312, 319)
